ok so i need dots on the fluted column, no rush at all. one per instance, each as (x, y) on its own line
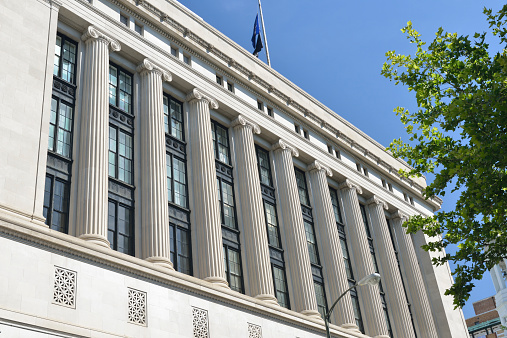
(91, 208)
(305, 300)
(369, 296)
(413, 279)
(391, 277)
(208, 228)
(154, 199)
(252, 211)
(334, 265)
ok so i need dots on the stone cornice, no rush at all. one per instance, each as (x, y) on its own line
(317, 166)
(149, 66)
(281, 144)
(197, 94)
(398, 214)
(377, 201)
(241, 121)
(348, 184)
(93, 33)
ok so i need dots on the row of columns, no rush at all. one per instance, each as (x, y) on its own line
(93, 190)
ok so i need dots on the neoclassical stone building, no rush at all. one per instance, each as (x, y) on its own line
(157, 180)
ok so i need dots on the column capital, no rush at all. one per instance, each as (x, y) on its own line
(93, 33)
(148, 65)
(348, 184)
(377, 201)
(398, 214)
(317, 166)
(197, 94)
(241, 121)
(281, 144)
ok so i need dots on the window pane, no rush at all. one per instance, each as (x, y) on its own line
(166, 114)
(336, 206)
(64, 141)
(273, 235)
(172, 235)
(303, 193)
(357, 312)
(228, 205)
(58, 53)
(176, 120)
(264, 167)
(235, 271)
(112, 152)
(52, 124)
(183, 247)
(113, 83)
(125, 157)
(169, 173)
(180, 183)
(312, 244)
(47, 198)
(321, 298)
(365, 220)
(346, 259)
(280, 287)
(68, 62)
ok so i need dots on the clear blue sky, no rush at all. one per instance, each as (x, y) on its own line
(334, 50)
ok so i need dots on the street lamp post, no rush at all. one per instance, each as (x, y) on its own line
(372, 279)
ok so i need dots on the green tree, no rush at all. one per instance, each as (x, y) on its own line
(458, 134)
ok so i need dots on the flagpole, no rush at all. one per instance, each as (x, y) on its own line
(264, 34)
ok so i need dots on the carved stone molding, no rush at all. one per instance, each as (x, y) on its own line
(148, 65)
(400, 215)
(93, 33)
(281, 144)
(377, 201)
(55, 4)
(197, 94)
(316, 165)
(348, 184)
(242, 121)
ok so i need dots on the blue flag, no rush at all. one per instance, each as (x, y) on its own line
(256, 37)
(256, 31)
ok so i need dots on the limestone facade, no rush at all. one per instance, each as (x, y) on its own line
(154, 181)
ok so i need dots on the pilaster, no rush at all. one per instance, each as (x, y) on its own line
(208, 228)
(391, 277)
(369, 296)
(413, 279)
(91, 213)
(303, 295)
(252, 211)
(154, 200)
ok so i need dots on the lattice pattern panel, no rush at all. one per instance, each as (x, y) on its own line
(137, 307)
(254, 331)
(200, 323)
(64, 291)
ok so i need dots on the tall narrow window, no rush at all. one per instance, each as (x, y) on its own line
(120, 228)
(177, 185)
(302, 189)
(275, 245)
(321, 298)
(312, 243)
(65, 59)
(225, 186)
(61, 125)
(120, 88)
(346, 257)
(120, 155)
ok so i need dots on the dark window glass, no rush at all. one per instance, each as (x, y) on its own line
(232, 262)
(176, 181)
(346, 258)
(120, 155)
(260, 105)
(272, 224)
(226, 200)
(56, 204)
(124, 20)
(120, 88)
(60, 128)
(281, 292)
(173, 118)
(312, 243)
(303, 191)
(297, 129)
(65, 59)
(180, 249)
(230, 86)
(120, 228)
(306, 134)
(264, 167)
(357, 310)
(321, 298)
(220, 142)
(219, 80)
(138, 28)
(175, 51)
(336, 206)
(365, 220)
(270, 111)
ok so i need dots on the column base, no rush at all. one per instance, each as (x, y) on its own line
(39, 220)
(161, 261)
(312, 314)
(268, 298)
(382, 336)
(350, 326)
(218, 281)
(96, 239)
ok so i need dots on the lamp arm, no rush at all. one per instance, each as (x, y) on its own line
(328, 314)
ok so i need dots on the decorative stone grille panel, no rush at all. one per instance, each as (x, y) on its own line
(200, 323)
(137, 307)
(254, 331)
(64, 291)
